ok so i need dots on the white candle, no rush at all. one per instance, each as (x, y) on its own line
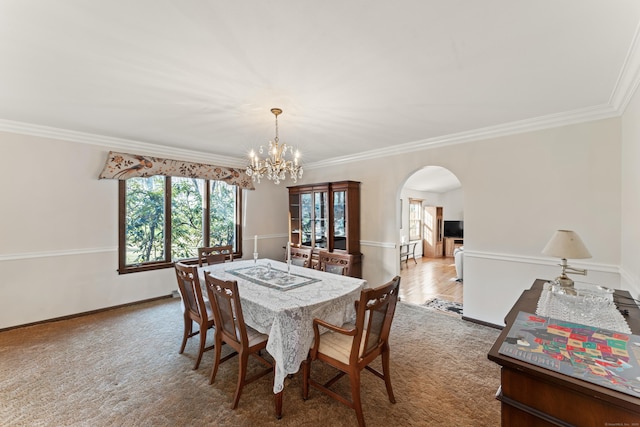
(288, 251)
(255, 243)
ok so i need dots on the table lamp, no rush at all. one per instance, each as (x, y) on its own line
(566, 244)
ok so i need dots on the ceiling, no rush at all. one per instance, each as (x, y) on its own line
(434, 179)
(354, 78)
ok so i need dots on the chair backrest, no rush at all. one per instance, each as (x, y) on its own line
(227, 310)
(374, 314)
(215, 254)
(335, 262)
(301, 256)
(190, 291)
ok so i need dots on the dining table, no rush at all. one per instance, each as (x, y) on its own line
(281, 300)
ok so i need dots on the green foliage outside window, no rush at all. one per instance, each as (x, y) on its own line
(145, 219)
(222, 214)
(186, 217)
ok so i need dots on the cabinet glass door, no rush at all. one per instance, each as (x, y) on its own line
(306, 218)
(294, 218)
(339, 220)
(320, 210)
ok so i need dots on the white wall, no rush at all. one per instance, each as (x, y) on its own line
(517, 190)
(58, 234)
(453, 205)
(630, 220)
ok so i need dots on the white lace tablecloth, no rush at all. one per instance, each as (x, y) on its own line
(287, 315)
(592, 307)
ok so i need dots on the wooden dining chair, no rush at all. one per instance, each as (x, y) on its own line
(351, 349)
(301, 256)
(214, 255)
(335, 262)
(232, 330)
(195, 308)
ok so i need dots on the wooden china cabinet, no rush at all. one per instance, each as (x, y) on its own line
(326, 217)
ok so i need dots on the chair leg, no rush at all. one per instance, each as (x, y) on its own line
(306, 368)
(386, 372)
(188, 324)
(203, 343)
(355, 396)
(278, 402)
(216, 361)
(242, 372)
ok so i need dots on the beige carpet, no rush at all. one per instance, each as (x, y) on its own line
(122, 368)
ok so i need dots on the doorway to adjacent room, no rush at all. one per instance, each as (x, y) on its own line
(431, 198)
(430, 278)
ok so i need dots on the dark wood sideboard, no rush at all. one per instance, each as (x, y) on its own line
(535, 396)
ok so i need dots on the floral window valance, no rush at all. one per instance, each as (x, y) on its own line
(124, 166)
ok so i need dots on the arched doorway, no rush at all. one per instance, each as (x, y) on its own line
(432, 217)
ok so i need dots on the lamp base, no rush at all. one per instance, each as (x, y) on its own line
(564, 285)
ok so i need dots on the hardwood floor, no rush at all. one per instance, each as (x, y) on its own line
(429, 278)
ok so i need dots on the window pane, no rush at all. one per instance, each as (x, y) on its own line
(223, 216)
(186, 217)
(144, 235)
(415, 223)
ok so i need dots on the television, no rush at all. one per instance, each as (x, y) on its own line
(454, 229)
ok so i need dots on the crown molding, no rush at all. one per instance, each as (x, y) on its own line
(144, 148)
(539, 123)
(629, 77)
(119, 144)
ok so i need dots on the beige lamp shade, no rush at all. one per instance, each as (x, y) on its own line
(566, 244)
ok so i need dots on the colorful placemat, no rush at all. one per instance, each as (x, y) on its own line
(600, 356)
(271, 277)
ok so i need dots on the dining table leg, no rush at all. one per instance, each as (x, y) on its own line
(278, 400)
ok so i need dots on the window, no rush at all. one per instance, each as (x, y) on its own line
(165, 219)
(415, 219)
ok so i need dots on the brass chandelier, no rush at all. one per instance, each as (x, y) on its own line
(275, 166)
